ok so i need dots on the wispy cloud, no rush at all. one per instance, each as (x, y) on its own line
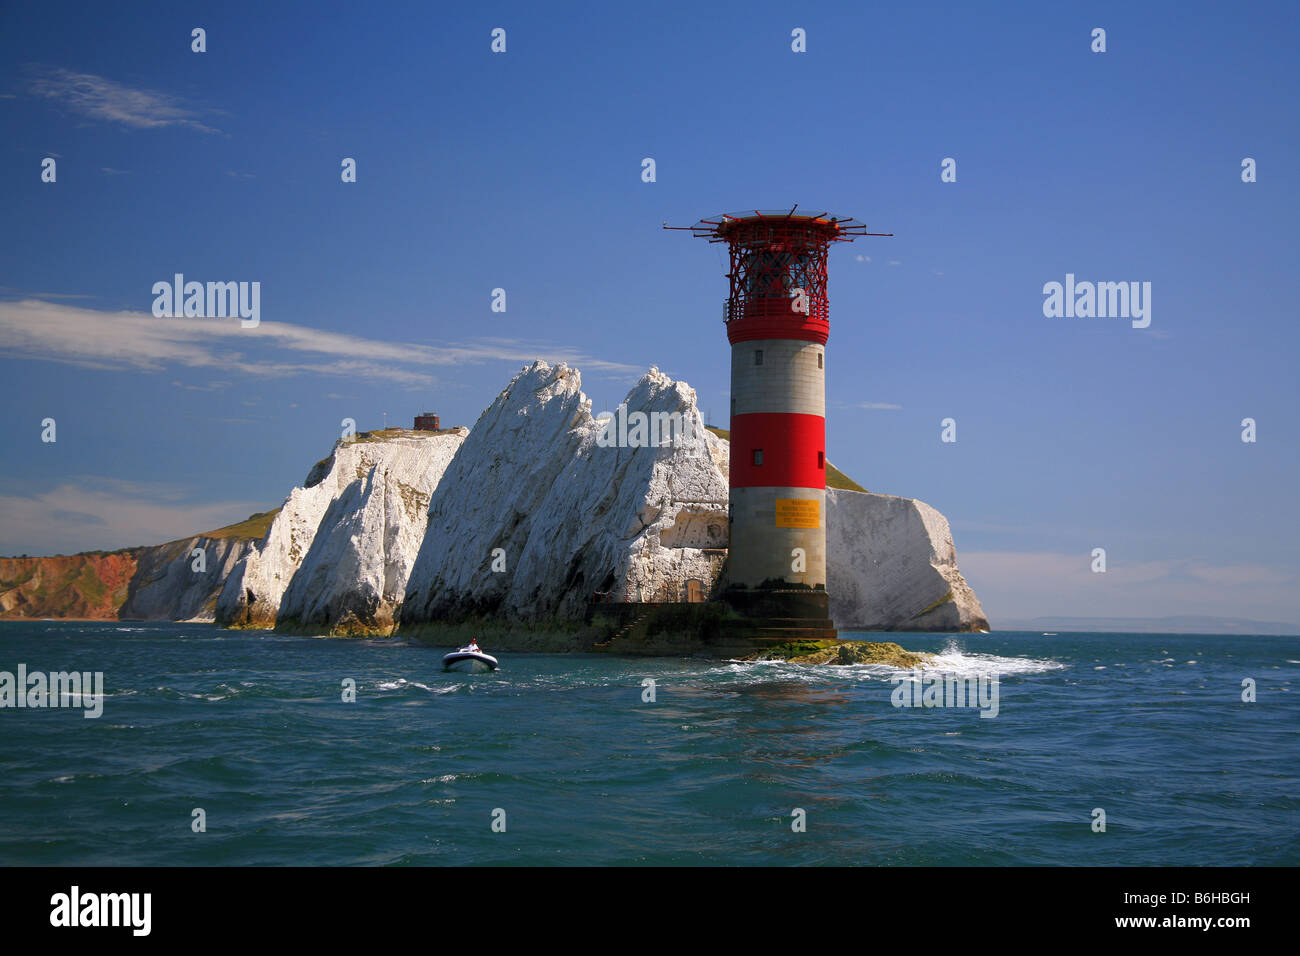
(196, 387)
(878, 406)
(9, 291)
(86, 514)
(137, 341)
(100, 98)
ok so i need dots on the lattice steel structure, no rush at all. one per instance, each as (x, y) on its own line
(773, 254)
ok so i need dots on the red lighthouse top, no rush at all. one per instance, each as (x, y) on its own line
(778, 270)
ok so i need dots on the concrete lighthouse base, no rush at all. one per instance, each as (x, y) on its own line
(795, 603)
(770, 616)
(712, 628)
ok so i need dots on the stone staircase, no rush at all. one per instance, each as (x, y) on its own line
(625, 629)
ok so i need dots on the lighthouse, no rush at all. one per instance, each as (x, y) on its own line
(777, 319)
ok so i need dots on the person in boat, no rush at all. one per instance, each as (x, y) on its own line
(473, 646)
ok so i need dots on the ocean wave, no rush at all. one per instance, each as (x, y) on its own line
(401, 683)
(445, 778)
(953, 660)
(73, 777)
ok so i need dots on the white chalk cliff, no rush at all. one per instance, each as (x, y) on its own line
(891, 566)
(534, 516)
(172, 583)
(337, 556)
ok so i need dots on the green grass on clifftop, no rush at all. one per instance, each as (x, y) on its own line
(254, 526)
(385, 434)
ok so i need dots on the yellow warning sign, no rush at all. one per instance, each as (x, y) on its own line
(797, 513)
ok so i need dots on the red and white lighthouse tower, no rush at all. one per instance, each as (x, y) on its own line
(778, 321)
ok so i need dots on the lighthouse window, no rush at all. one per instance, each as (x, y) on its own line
(758, 356)
(758, 456)
(821, 459)
(819, 359)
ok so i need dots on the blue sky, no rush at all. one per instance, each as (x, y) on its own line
(522, 171)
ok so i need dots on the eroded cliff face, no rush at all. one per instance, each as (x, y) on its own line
(85, 586)
(337, 556)
(164, 582)
(535, 517)
(172, 583)
(891, 566)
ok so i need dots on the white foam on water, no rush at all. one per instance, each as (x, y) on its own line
(765, 672)
(403, 682)
(953, 660)
(72, 777)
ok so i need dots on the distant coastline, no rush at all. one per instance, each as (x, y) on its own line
(1177, 624)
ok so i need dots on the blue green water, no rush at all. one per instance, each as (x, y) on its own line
(251, 728)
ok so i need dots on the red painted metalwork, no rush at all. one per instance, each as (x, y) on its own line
(776, 325)
(790, 443)
(772, 255)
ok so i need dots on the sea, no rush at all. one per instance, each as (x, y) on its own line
(219, 747)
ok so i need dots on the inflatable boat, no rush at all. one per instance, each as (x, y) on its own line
(469, 659)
